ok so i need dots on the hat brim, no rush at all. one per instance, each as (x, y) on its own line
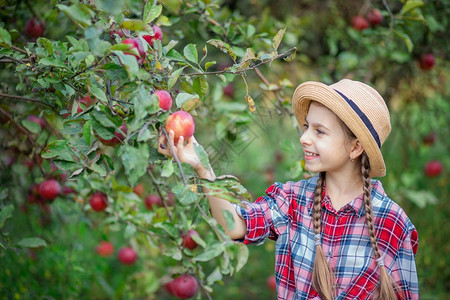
(327, 96)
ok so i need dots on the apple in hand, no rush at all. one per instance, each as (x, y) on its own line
(165, 99)
(158, 35)
(182, 124)
(427, 61)
(188, 241)
(98, 201)
(183, 287)
(105, 249)
(433, 168)
(49, 189)
(374, 16)
(359, 23)
(127, 255)
(34, 28)
(152, 201)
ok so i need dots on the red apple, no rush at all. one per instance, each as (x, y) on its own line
(182, 123)
(374, 16)
(127, 255)
(359, 23)
(34, 28)
(433, 168)
(66, 190)
(183, 287)
(139, 189)
(228, 90)
(118, 136)
(429, 139)
(98, 201)
(158, 35)
(136, 49)
(427, 61)
(272, 283)
(165, 99)
(105, 249)
(117, 31)
(152, 201)
(49, 189)
(36, 120)
(188, 241)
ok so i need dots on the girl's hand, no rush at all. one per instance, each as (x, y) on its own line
(185, 153)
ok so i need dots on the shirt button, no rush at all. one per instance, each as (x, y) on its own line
(329, 253)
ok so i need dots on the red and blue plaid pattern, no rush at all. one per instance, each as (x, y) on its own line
(285, 215)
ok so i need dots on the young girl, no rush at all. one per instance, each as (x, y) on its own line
(338, 235)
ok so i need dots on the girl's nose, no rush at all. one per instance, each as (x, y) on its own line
(304, 138)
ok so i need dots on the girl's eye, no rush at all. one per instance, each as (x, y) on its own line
(305, 126)
(320, 131)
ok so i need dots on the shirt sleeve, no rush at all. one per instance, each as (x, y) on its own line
(268, 216)
(406, 273)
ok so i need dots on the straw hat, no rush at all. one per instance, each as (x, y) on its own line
(358, 105)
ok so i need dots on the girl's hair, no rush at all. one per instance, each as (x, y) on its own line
(322, 275)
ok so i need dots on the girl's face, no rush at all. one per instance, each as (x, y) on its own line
(326, 146)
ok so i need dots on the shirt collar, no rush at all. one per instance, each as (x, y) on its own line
(356, 205)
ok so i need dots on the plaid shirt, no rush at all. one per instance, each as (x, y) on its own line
(285, 215)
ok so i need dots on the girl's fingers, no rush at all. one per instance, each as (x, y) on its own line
(180, 145)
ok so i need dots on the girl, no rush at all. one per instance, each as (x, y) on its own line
(338, 235)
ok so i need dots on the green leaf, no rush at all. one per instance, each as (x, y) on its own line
(277, 39)
(167, 169)
(87, 133)
(190, 52)
(134, 25)
(58, 148)
(406, 39)
(33, 242)
(5, 37)
(201, 86)
(52, 62)
(215, 276)
(411, 5)
(209, 64)
(242, 256)
(47, 44)
(98, 93)
(224, 47)
(135, 161)
(5, 214)
(129, 62)
(202, 155)
(98, 169)
(188, 197)
(183, 97)
(33, 127)
(130, 230)
(211, 252)
(175, 55)
(144, 103)
(174, 77)
(229, 219)
(151, 12)
(79, 13)
(199, 240)
(103, 119)
(101, 130)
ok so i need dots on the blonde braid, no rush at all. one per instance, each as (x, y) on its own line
(387, 291)
(322, 275)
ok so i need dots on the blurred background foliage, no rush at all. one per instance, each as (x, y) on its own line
(263, 147)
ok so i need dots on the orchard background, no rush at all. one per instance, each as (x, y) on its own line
(90, 210)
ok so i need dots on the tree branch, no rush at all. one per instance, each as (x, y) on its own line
(6, 96)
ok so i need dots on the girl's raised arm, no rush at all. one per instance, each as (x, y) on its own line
(186, 153)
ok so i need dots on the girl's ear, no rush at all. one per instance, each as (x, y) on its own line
(356, 150)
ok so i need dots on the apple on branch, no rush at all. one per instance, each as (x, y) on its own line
(158, 35)
(34, 28)
(152, 201)
(127, 256)
(183, 287)
(136, 49)
(104, 249)
(374, 16)
(188, 241)
(359, 23)
(98, 201)
(49, 189)
(165, 99)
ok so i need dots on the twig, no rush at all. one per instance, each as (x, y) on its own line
(175, 156)
(391, 15)
(244, 70)
(158, 190)
(9, 59)
(18, 49)
(6, 96)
